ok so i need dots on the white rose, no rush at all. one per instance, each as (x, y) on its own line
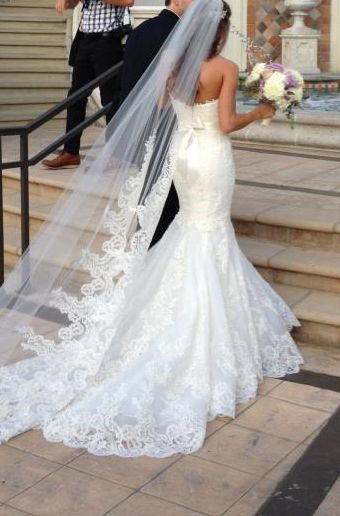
(259, 68)
(274, 87)
(255, 74)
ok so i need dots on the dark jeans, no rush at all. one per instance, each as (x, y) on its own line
(94, 55)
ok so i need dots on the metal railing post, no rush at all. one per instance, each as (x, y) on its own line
(2, 243)
(24, 190)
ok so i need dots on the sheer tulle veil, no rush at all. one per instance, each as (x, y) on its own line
(69, 290)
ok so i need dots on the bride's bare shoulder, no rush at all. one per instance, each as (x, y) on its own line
(221, 64)
(227, 65)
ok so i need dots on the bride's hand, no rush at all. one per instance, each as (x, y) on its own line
(265, 110)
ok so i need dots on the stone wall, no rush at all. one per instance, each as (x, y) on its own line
(266, 19)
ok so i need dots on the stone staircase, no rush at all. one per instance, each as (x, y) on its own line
(34, 74)
(295, 247)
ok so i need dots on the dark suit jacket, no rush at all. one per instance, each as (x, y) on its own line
(141, 48)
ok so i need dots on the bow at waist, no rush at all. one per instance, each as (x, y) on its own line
(187, 131)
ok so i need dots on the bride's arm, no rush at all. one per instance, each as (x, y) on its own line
(230, 120)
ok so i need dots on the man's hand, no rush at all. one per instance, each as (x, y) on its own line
(62, 5)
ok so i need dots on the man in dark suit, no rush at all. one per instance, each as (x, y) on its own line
(141, 48)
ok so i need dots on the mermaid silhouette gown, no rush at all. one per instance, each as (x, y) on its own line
(201, 330)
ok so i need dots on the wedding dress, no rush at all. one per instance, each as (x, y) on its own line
(200, 331)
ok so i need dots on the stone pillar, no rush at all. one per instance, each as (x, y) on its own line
(299, 42)
(335, 36)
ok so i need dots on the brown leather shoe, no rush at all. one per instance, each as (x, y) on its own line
(64, 160)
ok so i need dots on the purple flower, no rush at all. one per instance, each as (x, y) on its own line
(290, 81)
(276, 67)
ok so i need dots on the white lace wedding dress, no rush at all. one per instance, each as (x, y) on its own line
(201, 329)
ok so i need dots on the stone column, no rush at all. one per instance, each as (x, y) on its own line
(299, 42)
(335, 36)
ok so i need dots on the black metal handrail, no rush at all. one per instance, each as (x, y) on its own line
(24, 162)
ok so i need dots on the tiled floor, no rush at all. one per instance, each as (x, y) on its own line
(331, 504)
(235, 471)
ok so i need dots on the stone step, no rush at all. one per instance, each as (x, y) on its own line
(303, 225)
(45, 183)
(39, 17)
(20, 115)
(32, 40)
(46, 4)
(33, 52)
(28, 108)
(15, 123)
(34, 74)
(25, 10)
(34, 65)
(282, 261)
(28, 26)
(48, 184)
(8, 85)
(26, 39)
(12, 246)
(307, 278)
(46, 93)
(38, 214)
(40, 206)
(282, 147)
(318, 313)
(295, 266)
(28, 99)
(43, 75)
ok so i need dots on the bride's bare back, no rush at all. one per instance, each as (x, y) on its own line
(219, 80)
(211, 79)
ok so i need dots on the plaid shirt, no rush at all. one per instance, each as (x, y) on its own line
(98, 16)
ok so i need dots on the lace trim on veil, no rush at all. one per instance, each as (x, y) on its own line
(112, 270)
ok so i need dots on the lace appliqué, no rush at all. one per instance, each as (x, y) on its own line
(111, 271)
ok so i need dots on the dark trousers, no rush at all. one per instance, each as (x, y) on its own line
(171, 208)
(157, 161)
(94, 55)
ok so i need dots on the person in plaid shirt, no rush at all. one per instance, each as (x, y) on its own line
(96, 48)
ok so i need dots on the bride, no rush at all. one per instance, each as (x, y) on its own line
(127, 351)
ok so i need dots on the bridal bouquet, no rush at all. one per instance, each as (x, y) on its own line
(272, 82)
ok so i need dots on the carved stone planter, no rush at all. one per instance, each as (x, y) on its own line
(299, 42)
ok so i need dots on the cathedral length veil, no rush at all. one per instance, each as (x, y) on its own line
(61, 306)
